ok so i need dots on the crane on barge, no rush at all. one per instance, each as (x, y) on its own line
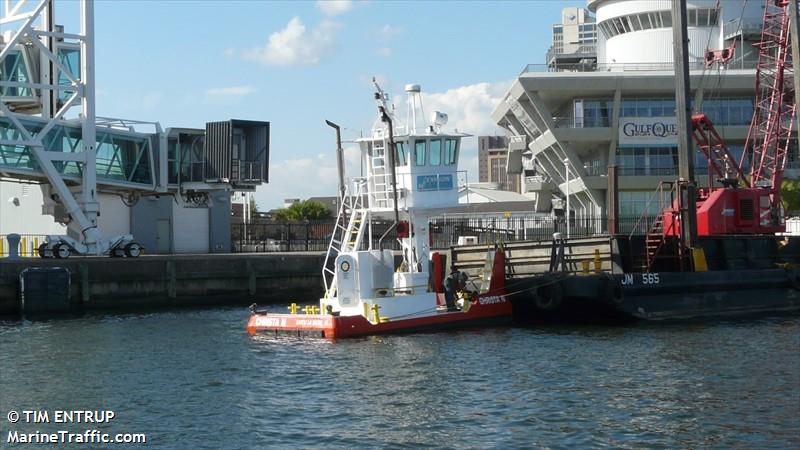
(736, 203)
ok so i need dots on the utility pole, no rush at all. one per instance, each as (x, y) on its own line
(683, 110)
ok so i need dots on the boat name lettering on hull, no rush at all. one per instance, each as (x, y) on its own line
(316, 323)
(647, 278)
(491, 300)
(283, 322)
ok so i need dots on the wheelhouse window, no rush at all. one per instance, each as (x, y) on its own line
(436, 152)
(401, 153)
(450, 152)
(419, 153)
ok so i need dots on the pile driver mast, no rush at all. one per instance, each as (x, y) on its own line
(752, 204)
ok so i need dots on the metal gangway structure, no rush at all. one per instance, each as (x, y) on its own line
(50, 134)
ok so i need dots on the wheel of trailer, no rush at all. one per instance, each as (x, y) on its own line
(42, 251)
(548, 297)
(133, 250)
(61, 251)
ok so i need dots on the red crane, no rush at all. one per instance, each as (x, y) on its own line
(735, 203)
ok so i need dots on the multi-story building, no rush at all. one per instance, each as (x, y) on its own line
(492, 155)
(574, 41)
(574, 124)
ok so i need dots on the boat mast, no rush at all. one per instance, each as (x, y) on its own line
(683, 110)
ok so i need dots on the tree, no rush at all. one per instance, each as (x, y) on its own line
(304, 210)
(253, 206)
(790, 192)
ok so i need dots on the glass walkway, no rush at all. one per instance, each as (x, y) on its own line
(124, 158)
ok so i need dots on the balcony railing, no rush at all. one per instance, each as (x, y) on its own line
(248, 171)
(622, 67)
(582, 122)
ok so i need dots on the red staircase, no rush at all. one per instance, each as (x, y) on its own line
(655, 235)
(654, 240)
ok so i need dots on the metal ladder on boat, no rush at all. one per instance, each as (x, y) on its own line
(381, 177)
(348, 233)
(655, 236)
(654, 240)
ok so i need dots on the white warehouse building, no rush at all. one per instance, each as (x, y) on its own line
(573, 121)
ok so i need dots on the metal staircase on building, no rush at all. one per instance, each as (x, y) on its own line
(348, 233)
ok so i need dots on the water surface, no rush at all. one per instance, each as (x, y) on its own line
(195, 379)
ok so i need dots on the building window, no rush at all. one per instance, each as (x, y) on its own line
(722, 111)
(648, 161)
(632, 204)
(592, 113)
(696, 17)
(419, 153)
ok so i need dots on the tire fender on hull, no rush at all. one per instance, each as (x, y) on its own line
(548, 297)
(794, 279)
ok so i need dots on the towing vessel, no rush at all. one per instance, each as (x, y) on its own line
(411, 174)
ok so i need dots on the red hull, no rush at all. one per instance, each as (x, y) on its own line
(484, 309)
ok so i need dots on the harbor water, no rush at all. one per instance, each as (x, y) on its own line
(195, 379)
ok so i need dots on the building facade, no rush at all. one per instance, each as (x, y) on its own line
(574, 40)
(622, 111)
(492, 158)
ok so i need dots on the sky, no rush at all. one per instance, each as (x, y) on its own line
(295, 64)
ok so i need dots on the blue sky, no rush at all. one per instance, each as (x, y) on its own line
(295, 64)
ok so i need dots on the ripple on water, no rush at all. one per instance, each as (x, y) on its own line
(194, 379)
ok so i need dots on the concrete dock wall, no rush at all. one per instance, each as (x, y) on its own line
(176, 280)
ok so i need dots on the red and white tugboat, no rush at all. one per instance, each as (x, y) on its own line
(366, 290)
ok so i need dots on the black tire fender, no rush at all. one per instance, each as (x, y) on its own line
(548, 297)
(794, 279)
(613, 292)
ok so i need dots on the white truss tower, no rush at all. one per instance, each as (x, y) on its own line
(34, 22)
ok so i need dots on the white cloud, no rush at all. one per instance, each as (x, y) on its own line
(389, 31)
(296, 45)
(291, 178)
(469, 110)
(384, 51)
(469, 107)
(232, 91)
(334, 7)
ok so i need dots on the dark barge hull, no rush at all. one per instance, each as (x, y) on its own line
(746, 275)
(656, 296)
(703, 294)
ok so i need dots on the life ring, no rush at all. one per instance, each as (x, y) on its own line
(548, 297)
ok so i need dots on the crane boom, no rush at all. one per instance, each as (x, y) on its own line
(770, 129)
(751, 205)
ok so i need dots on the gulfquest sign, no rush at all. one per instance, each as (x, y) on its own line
(648, 130)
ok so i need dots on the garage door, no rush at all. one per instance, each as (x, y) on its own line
(190, 229)
(115, 217)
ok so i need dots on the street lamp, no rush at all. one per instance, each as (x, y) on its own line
(566, 176)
